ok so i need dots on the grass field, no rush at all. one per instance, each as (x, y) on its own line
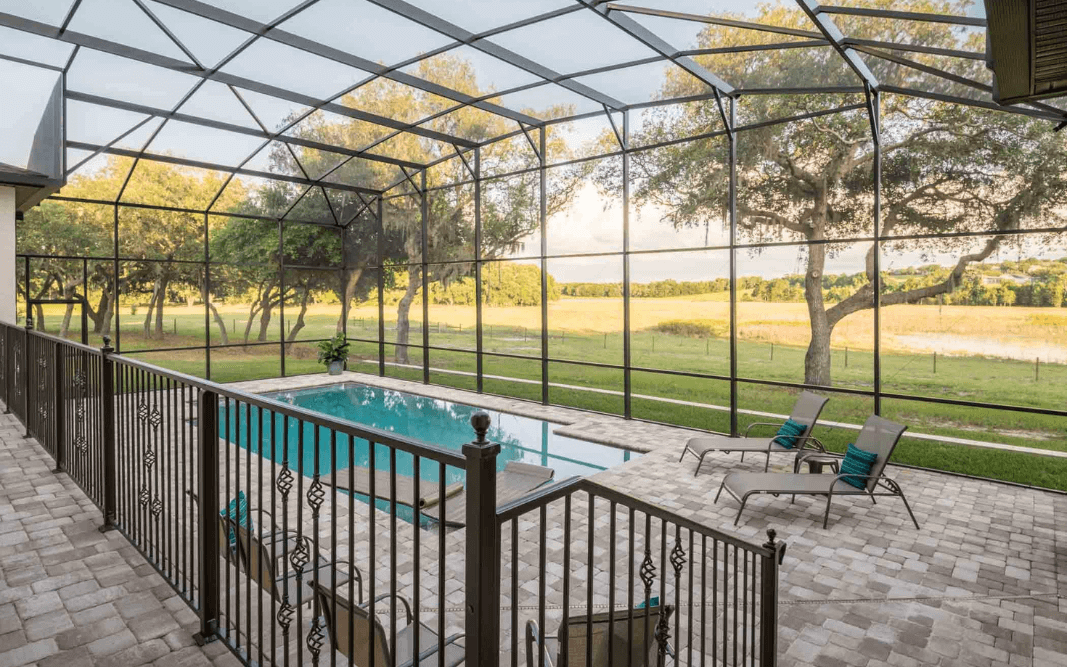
(771, 345)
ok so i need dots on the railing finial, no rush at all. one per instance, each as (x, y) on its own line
(771, 534)
(29, 322)
(480, 421)
(107, 349)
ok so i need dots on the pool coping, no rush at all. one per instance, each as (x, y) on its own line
(594, 427)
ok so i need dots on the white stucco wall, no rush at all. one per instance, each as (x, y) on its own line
(7, 254)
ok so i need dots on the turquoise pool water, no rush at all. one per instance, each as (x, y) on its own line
(431, 420)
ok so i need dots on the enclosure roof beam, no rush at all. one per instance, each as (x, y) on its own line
(237, 129)
(836, 39)
(713, 20)
(980, 104)
(479, 42)
(211, 166)
(653, 41)
(915, 48)
(898, 15)
(289, 39)
(147, 57)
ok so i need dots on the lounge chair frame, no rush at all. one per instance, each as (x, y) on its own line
(872, 429)
(805, 441)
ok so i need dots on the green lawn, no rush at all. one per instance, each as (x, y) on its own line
(962, 378)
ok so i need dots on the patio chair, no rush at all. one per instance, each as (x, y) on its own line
(805, 411)
(353, 627)
(636, 638)
(878, 436)
(300, 587)
(263, 554)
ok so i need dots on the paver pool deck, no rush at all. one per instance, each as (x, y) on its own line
(983, 582)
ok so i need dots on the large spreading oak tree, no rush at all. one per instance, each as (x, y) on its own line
(946, 167)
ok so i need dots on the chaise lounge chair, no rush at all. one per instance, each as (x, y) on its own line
(878, 436)
(806, 411)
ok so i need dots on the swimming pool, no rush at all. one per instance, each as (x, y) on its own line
(430, 420)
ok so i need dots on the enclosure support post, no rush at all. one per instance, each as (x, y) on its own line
(483, 549)
(281, 293)
(425, 208)
(381, 290)
(208, 500)
(108, 442)
(207, 298)
(543, 223)
(478, 343)
(732, 206)
(59, 427)
(627, 389)
(874, 110)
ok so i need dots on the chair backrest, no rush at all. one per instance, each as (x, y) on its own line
(258, 561)
(807, 409)
(628, 638)
(879, 436)
(352, 626)
(231, 553)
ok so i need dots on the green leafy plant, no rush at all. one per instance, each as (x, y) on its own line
(335, 349)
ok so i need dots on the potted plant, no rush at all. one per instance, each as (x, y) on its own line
(334, 353)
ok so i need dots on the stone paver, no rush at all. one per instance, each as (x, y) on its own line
(70, 595)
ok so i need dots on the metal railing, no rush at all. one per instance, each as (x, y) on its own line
(300, 538)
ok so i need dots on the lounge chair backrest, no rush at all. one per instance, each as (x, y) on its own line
(627, 638)
(351, 625)
(881, 437)
(807, 409)
(258, 561)
(230, 554)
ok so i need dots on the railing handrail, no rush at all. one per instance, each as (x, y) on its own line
(542, 497)
(370, 433)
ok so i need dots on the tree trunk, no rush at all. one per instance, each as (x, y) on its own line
(160, 298)
(349, 293)
(104, 305)
(306, 293)
(148, 314)
(39, 322)
(403, 322)
(104, 326)
(223, 337)
(264, 322)
(817, 358)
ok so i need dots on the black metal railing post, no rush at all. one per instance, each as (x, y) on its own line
(59, 426)
(108, 441)
(28, 363)
(208, 503)
(483, 549)
(769, 600)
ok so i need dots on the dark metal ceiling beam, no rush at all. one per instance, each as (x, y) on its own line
(653, 41)
(992, 106)
(237, 129)
(835, 37)
(310, 46)
(713, 20)
(452, 31)
(211, 166)
(915, 48)
(898, 15)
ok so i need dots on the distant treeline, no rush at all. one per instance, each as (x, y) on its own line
(1040, 283)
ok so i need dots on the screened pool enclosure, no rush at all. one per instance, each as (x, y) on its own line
(681, 211)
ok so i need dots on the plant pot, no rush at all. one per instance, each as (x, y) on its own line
(336, 367)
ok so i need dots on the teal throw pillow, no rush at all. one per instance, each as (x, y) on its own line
(789, 432)
(857, 462)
